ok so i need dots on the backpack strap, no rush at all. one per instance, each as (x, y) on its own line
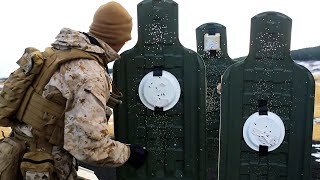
(53, 60)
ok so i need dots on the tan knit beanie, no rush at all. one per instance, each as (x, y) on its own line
(112, 23)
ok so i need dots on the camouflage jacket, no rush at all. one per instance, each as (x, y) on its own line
(86, 86)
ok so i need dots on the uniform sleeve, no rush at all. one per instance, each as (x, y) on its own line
(86, 136)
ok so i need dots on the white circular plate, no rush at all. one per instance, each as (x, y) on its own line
(159, 91)
(267, 130)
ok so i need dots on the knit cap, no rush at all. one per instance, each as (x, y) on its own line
(112, 23)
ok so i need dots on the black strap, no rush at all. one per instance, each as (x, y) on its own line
(76, 164)
(263, 110)
(158, 109)
(263, 150)
(92, 39)
(157, 71)
(38, 162)
(263, 107)
(211, 32)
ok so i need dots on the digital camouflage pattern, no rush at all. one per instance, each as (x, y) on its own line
(86, 86)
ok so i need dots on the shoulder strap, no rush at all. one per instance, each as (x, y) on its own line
(54, 58)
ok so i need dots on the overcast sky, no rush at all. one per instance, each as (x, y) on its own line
(36, 22)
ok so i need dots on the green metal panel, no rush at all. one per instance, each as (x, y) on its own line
(268, 73)
(216, 61)
(174, 138)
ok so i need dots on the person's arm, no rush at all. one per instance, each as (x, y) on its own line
(86, 136)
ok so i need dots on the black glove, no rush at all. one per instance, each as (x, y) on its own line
(138, 156)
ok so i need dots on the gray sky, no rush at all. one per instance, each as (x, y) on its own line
(36, 22)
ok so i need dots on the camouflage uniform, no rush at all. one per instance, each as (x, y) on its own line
(86, 87)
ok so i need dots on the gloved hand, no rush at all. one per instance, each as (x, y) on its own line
(138, 156)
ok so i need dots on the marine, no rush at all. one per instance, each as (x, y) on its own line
(63, 114)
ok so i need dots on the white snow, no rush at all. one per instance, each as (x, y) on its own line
(317, 154)
(312, 66)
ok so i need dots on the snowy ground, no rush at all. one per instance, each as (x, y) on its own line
(313, 66)
(315, 161)
(316, 154)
